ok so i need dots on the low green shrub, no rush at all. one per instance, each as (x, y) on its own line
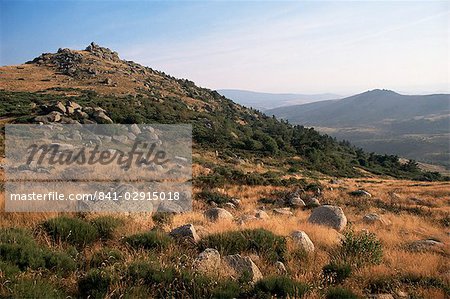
(106, 225)
(210, 196)
(94, 284)
(60, 262)
(149, 240)
(227, 289)
(169, 282)
(20, 249)
(8, 270)
(279, 286)
(105, 257)
(71, 230)
(23, 255)
(16, 236)
(36, 289)
(361, 248)
(336, 272)
(260, 241)
(340, 293)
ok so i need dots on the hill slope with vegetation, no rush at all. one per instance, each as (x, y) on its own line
(131, 93)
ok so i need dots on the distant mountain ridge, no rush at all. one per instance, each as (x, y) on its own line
(264, 101)
(414, 126)
(366, 108)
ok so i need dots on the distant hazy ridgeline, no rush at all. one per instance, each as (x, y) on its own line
(413, 126)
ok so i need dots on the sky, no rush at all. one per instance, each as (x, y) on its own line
(285, 47)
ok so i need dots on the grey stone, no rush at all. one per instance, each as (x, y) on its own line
(328, 215)
(185, 232)
(374, 218)
(303, 240)
(207, 262)
(243, 264)
(216, 214)
(260, 214)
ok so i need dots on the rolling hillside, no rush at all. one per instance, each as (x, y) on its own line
(131, 93)
(383, 121)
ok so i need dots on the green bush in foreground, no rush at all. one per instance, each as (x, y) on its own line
(94, 284)
(60, 262)
(260, 241)
(20, 249)
(8, 270)
(279, 286)
(36, 289)
(340, 293)
(169, 282)
(71, 230)
(106, 225)
(361, 248)
(105, 257)
(16, 236)
(149, 240)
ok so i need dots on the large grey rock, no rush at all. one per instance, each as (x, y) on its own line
(53, 116)
(243, 264)
(374, 218)
(260, 214)
(295, 201)
(170, 207)
(100, 116)
(185, 232)
(216, 214)
(425, 245)
(207, 262)
(73, 105)
(303, 240)
(59, 107)
(328, 215)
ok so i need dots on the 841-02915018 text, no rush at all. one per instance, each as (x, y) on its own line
(97, 196)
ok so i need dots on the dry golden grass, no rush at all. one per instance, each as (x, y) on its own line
(404, 228)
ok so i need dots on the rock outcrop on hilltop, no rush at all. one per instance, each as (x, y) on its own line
(71, 113)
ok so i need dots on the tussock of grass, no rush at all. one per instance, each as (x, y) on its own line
(279, 286)
(259, 241)
(149, 240)
(71, 230)
(106, 225)
(94, 284)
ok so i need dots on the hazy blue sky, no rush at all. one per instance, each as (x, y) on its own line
(297, 46)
